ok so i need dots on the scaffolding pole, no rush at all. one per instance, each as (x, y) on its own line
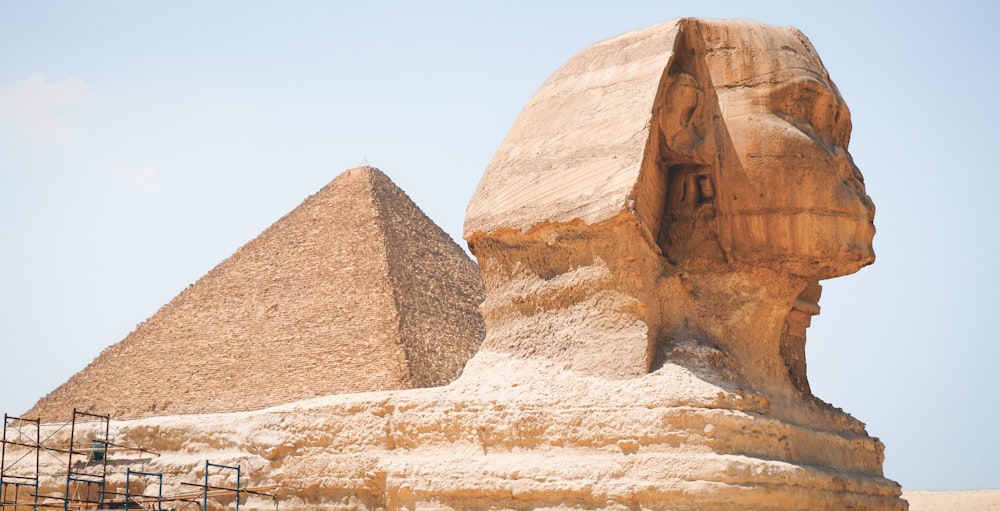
(128, 491)
(204, 500)
(208, 489)
(98, 451)
(9, 480)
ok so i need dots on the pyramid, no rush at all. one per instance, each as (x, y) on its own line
(354, 290)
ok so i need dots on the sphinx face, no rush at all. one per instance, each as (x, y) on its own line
(790, 196)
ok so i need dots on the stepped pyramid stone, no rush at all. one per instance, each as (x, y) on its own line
(354, 290)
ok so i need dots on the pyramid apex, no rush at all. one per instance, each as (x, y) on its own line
(365, 170)
(360, 174)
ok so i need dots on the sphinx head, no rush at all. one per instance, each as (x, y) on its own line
(687, 179)
(753, 140)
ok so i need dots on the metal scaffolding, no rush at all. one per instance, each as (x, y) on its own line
(130, 498)
(237, 491)
(86, 478)
(82, 478)
(86, 461)
(12, 480)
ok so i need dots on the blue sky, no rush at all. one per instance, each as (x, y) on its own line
(142, 143)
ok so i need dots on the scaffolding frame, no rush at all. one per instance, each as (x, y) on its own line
(204, 498)
(208, 489)
(83, 473)
(128, 482)
(77, 478)
(8, 480)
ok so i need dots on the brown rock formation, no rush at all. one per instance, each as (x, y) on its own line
(651, 235)
(354, 290)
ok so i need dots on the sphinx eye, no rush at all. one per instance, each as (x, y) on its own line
(798, 104)
(842, 127)
(810, 107)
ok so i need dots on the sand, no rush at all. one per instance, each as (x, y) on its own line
(970, 500)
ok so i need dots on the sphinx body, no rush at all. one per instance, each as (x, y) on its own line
(651, 235)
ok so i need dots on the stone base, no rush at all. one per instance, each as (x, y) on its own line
(515, 434)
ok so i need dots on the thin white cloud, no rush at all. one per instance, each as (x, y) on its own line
(143, 178)
(32, 106)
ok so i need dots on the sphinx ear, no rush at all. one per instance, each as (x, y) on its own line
(681, 120)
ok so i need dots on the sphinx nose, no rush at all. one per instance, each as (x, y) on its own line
(852, 177)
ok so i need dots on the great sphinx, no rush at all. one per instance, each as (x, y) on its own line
(651, 234)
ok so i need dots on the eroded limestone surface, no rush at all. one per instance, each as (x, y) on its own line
(522, 434)
(651, 235)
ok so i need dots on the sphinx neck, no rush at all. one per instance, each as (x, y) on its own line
(742, 314)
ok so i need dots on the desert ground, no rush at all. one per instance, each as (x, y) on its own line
(970, 500)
